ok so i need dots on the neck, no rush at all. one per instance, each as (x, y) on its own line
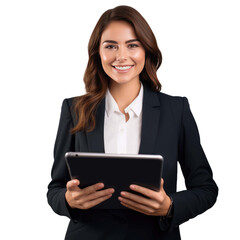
(124, 93)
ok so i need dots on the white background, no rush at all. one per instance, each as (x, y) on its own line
(43, 55)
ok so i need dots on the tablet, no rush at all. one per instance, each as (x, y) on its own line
(116, 171)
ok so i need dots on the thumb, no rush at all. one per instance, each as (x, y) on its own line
(72, 185)
(162, 183)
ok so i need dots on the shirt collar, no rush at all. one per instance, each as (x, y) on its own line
(135, 106)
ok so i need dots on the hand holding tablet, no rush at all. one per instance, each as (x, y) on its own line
(88, 197)
(115, 171)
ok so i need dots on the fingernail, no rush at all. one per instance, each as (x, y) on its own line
(111, 191)
(132, 186)
(123, 193)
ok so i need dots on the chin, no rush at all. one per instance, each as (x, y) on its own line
(121, 81)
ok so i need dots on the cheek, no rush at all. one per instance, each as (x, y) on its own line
(139, 57)
(106, 57)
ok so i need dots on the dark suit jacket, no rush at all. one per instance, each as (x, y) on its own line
(169, 129)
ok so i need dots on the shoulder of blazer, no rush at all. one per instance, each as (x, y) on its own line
(171, 99)
(70, 101)
(68, 106)
(175, 103)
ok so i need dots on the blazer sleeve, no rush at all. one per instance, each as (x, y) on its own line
(202, 191)
(65, 141)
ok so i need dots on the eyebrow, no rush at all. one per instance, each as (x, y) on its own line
(129, 41)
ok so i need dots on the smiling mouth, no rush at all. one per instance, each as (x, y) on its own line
(123, 68)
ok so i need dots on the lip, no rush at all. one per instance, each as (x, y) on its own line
(122, 71)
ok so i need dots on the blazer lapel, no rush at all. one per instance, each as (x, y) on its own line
(150, 121)
(149, 131)
(95, 139)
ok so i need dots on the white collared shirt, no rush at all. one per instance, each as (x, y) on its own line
(122, 137)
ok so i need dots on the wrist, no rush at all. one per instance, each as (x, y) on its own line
(169, 212)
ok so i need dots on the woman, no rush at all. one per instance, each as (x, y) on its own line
(123, 111)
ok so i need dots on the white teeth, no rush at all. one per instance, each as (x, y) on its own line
(123, 68)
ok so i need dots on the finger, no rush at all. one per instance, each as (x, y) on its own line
(139, 199)
(93, 188)
(97, 194)
(73, 185)
(134, 207)
(95, 202)
(145, 191)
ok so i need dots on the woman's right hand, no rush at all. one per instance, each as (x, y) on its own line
(88, 197)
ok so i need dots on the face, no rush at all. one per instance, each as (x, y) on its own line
(121, 53)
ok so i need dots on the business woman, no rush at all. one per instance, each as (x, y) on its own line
(123, 111)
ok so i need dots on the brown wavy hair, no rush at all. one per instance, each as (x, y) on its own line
(96, 80)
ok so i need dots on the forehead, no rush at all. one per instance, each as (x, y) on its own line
(119, 31)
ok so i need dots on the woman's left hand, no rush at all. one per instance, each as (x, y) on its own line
(157, 204)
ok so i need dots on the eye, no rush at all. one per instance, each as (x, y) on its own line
(132, 45)
(111, 47)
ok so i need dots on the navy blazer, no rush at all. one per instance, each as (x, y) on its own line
(168, 129)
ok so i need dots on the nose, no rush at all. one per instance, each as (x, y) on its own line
(121, 54)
